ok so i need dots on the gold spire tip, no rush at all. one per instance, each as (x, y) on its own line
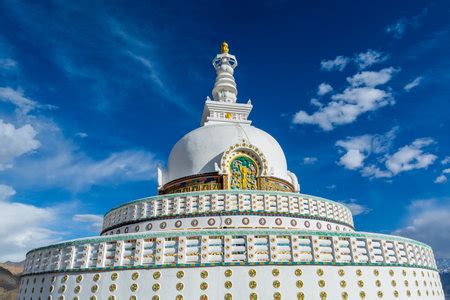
(224, 48)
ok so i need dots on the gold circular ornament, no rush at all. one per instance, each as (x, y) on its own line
(276, 296)
(62, 289)
(362, 294)
(156, 297)
(79, 278)
(228, 284)
(396, 294)
(180, 274)
(253, 296)
(112, 288)
(133, 287)
(96, 277)
(343, 283)
(135, 276)
(228, 115)
(114, 276)
(94, 288)
(203, 274)
(275, 272)
(157, 275)
(156, 287)
(111, 297)
(321, 283)
(180, 286)
(378, 283)
(376, 272)
(299, 284)
(393, 283)
(391, 272)
(344, 295)
(323, 295)
(133, 297)
(319, 272)
(64, 278)
(300, 296)
(276, 284)
(252, 284)
(358, 272)
(228, 273)
(360, 283)
(252, 273)
(298, 272)
(77, 289)
(203, 286)
(179, 297)
(341, 272)
(380, 294)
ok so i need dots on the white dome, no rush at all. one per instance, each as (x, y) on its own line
(199, 150)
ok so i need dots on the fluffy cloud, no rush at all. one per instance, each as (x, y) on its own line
(356, 208)
(416, 82)
(95, 221)
(356, 150)
(22, 226)
(345, 107)
(362, 60)
(359, 147)
(324, 88)
(15, 142)
(428, 221)
(339, 63)
(310, 160)
(372, 79)
(370, 57)
(411, 157)
(446, 160)
(443, 177)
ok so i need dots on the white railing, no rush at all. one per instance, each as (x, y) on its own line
(226, 201)
(236, 246)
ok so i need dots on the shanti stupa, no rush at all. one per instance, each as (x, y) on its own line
(230, 223)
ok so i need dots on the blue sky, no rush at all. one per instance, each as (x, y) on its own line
(94, 95)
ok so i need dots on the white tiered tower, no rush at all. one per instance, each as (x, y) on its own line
(230, 223)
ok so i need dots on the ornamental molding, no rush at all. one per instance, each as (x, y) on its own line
(243, 148)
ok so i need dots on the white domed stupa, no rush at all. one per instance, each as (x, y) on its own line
(230, 223)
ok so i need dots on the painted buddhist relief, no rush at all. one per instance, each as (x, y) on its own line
(243, 173)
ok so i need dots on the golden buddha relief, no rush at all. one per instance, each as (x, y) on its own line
(243, 173)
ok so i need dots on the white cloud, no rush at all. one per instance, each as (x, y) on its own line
(446, 160)
(17, 98)
(81, 135)
(411, 157)
(416, 82)
(371, 78)
(324, 88)
(339, 63)
(22, 226)
(443, 177)
(309, 160)
(345, 107)
(358, 148)
(406, 158)
(428, 221)
(15, 142)
(7, 64)
(316, 102)
(95, 221)
(370, 57)
(356, 208)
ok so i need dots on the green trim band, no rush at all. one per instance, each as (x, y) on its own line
(230, 264)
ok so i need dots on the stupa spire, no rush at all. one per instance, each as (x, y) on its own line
(225, 89)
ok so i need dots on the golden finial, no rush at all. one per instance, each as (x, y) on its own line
(224, 48)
